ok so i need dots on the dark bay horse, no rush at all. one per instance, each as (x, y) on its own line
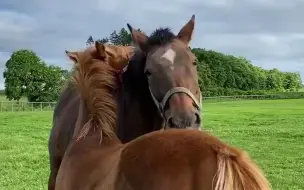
(173, 159)
(159, 88)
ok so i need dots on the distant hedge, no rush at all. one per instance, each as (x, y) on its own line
(225, 75)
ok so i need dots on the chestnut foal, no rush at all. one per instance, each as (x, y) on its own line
(66, 111)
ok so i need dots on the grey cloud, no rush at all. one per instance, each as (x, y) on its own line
(268, 32)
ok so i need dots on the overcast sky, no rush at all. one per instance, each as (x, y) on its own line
(268, 32)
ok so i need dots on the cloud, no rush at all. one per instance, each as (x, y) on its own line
(268, 32)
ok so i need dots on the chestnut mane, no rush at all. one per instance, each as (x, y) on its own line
(96, 81)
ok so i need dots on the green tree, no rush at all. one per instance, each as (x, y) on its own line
(27, 75)
(274, 80)
(47, 84)
(103, 40)
(19, 72)
(114, 38)
(291, 81)
(221, 74)
(125, 37)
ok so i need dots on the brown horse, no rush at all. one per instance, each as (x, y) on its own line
(159, 88)
(163, 160)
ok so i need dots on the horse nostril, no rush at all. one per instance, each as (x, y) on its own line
(174, 123)
(170, 122)
(197, 118)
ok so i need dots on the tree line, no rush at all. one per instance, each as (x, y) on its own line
(28, 75)
(221, 74)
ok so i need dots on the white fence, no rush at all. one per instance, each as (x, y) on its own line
(14, 106)
(242, 97)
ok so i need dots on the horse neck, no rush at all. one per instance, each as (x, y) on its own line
(137, 112)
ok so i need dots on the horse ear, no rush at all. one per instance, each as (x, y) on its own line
(72, 55)
(101, 49)
(186, 33)
(139, 38)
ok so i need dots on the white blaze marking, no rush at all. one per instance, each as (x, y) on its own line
(170, 55)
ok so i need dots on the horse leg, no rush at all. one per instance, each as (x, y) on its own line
(54, 167)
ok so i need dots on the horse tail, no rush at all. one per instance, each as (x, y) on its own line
(238, 172)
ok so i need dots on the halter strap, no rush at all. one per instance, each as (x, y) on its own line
(161, 105)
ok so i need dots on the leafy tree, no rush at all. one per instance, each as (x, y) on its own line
(221, 74)
(19, 72)
(291, 81)
(125, 37)
(47, 84)
(27, 75)
(121, 38)
(274, 80)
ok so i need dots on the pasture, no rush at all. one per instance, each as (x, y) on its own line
(272, 132)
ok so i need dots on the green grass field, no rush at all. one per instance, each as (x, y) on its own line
(272, 131)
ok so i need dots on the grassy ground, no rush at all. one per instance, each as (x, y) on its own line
(272, 131)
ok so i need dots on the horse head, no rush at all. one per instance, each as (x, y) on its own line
(169, 72)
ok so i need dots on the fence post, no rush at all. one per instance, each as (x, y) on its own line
(1, 106)
(40, 106)
(12, 106)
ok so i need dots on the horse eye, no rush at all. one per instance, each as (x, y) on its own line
(195, 62)
(147, 73)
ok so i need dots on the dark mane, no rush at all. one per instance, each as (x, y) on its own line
(161, 36)
(134, 77)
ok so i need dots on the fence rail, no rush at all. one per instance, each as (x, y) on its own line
(22, 106)
(14, 106)
(240, 97)
(257, 97)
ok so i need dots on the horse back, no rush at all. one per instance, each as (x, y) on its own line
(171, 159)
